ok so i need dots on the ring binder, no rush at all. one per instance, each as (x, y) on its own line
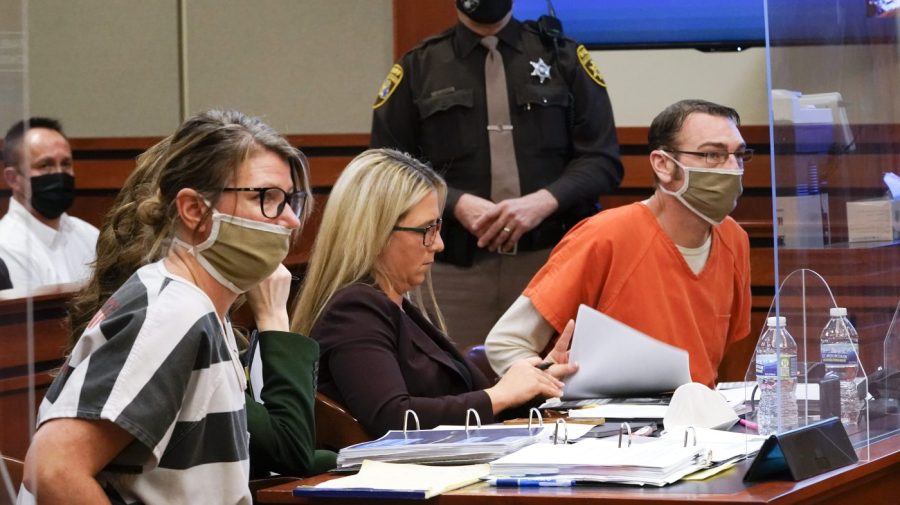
(565, 432)
(692, 430)
(535, 412)
(469, 416)
(406, 419)
(622, 427)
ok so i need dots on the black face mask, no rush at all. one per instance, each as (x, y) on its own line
(485, 12)
(52, 194)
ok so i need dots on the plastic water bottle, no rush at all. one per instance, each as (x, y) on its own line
(776, 375)
(838, 348)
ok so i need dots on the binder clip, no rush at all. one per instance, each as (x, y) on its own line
(565, 432)
(406, 419)
(690, 429)
(469, 416)
(624, 428)
(535, 412)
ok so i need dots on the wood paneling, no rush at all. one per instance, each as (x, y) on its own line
(42, 318)
(414, 20)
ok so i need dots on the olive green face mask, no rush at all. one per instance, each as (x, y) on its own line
(240, 253)
(710, 193)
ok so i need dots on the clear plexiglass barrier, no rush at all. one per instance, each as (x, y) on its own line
(805, 367)
(16, 329)
(828, 346)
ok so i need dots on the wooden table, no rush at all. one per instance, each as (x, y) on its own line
(876, 481)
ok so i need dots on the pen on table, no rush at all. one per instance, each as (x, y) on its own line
(531, 482)
(544, 365)
(749, 424)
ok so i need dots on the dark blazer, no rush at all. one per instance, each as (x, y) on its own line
(4, 276)
(378, 361)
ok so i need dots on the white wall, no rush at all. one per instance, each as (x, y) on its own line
(304, 66)
(643, 82)
(110, 68)
(868, 77)
(105, 68)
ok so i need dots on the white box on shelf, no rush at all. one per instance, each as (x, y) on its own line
(803, 221)
(873, 220)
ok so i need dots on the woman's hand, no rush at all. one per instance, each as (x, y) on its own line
(268, 301)
(559, 355)
(521, 383)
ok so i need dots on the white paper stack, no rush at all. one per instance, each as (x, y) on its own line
(723, 445)
(648, 461)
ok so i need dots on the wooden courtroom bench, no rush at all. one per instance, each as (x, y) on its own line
(23, 367)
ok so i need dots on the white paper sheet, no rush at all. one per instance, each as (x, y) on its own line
(616, 359)
(620, 411)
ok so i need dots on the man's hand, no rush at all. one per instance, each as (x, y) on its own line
(503, 225)
(469, 209)
(559, 355)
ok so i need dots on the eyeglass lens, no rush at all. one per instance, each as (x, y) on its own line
(719, 157)
(274, 200)
(431, 233)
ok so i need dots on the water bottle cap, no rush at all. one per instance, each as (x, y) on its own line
(780, 321)
(838, 311)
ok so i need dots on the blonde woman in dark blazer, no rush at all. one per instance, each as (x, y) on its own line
(381, 354)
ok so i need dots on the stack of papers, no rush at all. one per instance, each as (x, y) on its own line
(648, 461)
(397, 481)
(618, 360)
(724, 445)
(443, 447)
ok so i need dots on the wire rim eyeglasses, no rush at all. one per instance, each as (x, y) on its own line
(715, 158)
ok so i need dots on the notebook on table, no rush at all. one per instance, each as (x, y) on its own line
(396, 481)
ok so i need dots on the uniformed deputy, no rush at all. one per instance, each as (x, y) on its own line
(434, 105)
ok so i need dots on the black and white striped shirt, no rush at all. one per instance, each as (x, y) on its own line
(157, 361)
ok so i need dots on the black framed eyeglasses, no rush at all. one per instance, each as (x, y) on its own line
(716, 158)
(429, 233)
(273, 200)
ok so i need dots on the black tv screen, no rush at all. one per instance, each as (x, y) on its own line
(713, 24)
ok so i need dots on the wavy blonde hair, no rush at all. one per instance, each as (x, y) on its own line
(371, 196)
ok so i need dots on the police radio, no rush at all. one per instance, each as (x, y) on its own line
(550, 27)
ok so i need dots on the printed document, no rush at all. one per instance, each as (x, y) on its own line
(615, 360)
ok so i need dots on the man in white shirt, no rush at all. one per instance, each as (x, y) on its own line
(39, 242)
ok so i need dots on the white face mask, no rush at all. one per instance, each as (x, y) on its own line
(239, 253)
(710, 193)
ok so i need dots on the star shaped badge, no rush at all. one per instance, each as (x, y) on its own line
(541, 69)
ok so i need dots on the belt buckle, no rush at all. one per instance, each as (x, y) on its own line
(511, 252)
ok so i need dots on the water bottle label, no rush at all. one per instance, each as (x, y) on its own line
(839, 354)
(788, 366)
(768, 365)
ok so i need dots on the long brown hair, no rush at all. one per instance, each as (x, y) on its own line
(204, 154)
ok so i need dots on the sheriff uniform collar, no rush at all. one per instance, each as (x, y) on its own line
(465, 40)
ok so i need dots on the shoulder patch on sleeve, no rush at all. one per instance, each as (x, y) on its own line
(389, 85)
(584, 57)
